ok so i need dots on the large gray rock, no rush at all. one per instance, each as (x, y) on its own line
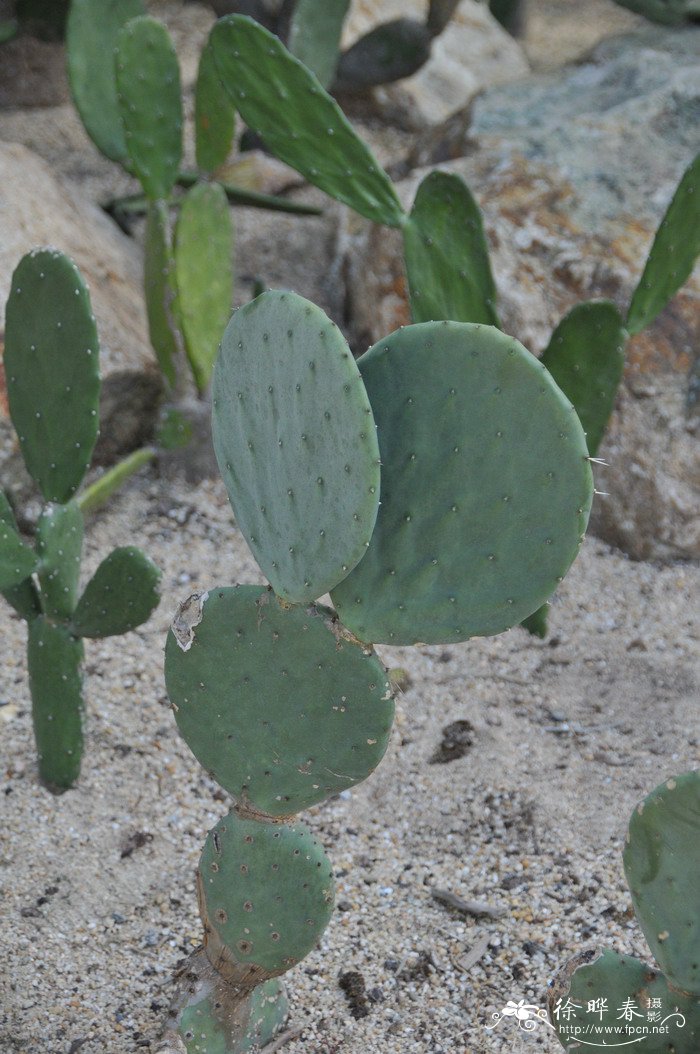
(573, 172)
(38, 210)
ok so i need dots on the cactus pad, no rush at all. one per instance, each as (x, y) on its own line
(486, 487)
(447, 259)
(204, 273)
(52, 370)
(279, 704)
(17, 560)
(218, 1020)
(160, 289)
(596, 988)
(662, 864)
(55, 680)
(120, 596)
(214, 115)
(266, 896)
(288, 397)
(91, 37)
(673, 254)
(284, 102)
(148, 91)
(59, 544)
(314, 35)
(389, 52)
(586, 357)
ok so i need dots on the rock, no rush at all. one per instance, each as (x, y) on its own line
(36, 209)
(573, 172)
(32, 73)
(473, 53)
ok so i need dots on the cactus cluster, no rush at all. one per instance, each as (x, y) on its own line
(661, 861)
(438, 488)
(51, 363)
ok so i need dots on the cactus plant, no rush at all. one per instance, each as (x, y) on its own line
(51, 363)
(302, 707)
(661, 860)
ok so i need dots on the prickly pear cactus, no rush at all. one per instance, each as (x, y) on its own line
(661, 860)
(52, 366)
(481, 478)
(314, 35)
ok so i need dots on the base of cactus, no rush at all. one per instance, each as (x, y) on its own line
(211, 1016)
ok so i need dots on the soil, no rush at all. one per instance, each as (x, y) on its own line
(525, 814)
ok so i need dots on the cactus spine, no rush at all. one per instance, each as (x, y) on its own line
(661, 860)
(52, 368)
(282, 702)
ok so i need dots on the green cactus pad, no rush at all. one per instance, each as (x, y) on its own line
(120, 596)
(23, 596)
(389, 52)
(54, 659)
(52, 371)
(288, 396)
(674, 252)
(204, 273)
(604, 995)
(279, 704)
(314, 35)
(221, 1022)
(17, 560)
(160, 289)
(91, 38)
(662, 865)
(537, 622)
(148, 92)
(59, 544)
(447, 259)
(586, 357)
(266, 896)
(281, 100)
(214, 115)
(486, 487)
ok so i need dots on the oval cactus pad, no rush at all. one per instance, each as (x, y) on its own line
(296, 443)
(486, 487)
(52, 370)
(266, 894)
(279, 704)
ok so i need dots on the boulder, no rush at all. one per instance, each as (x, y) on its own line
(38, 210)
(472, 53)
(573, 172)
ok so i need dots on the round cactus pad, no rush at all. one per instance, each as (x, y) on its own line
(296, 443)
(662, 866)
(486, 487)
(279, 704)
(266, 894)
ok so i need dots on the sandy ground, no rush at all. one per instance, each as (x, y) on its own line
(97, 887)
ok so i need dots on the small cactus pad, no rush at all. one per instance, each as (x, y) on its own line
(266, 896)
(674, 252)
(288, 397)
(17, 560)
(214, 115)
(389, 52)
(314, 35)
(586, 357)
(160, 289)
(662, 865)
(486, 487)
(120, 596)
(59, 544)
(52, 371)
(204, 272)
(447, 259)
(54, 659)
(148, 91)
(536, 623)
(219, 1020)
(279, 704)
(23, 596)
(601, 996)
(91, 37)
(284, 103)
